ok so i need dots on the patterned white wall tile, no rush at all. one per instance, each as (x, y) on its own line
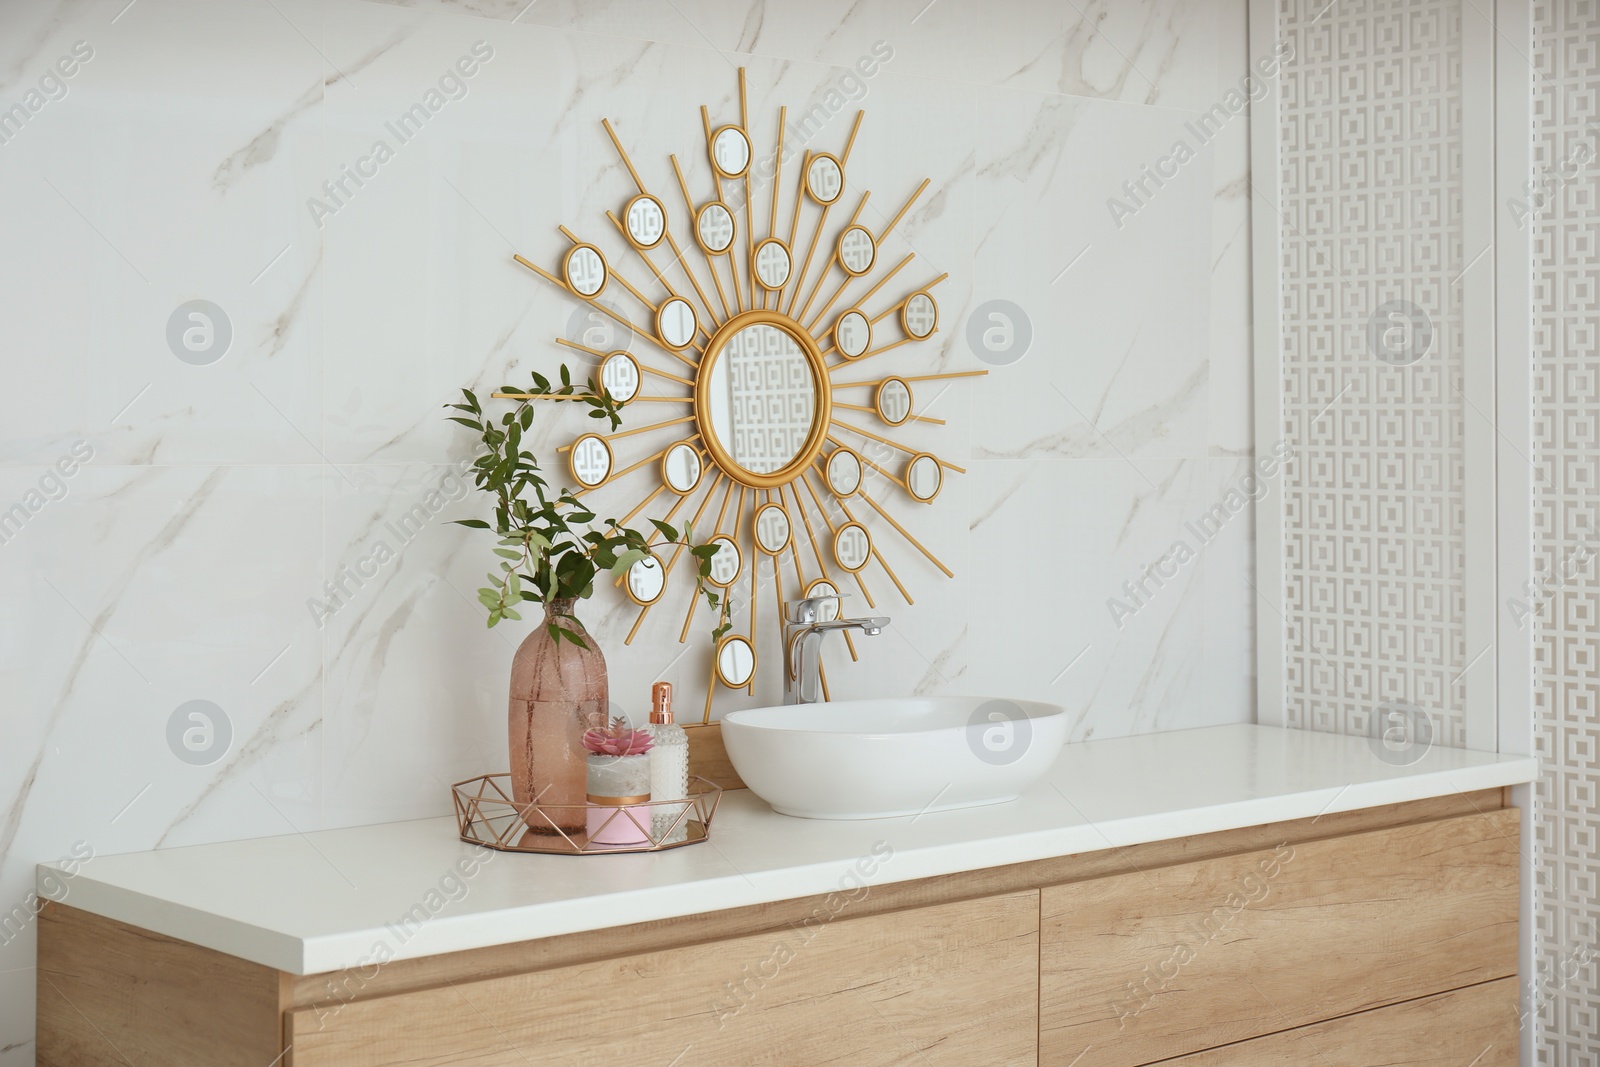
(1566, 607)
(1371, 199)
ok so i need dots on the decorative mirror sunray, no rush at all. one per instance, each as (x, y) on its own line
(769, 424)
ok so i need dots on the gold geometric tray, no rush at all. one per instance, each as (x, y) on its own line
(487, 815)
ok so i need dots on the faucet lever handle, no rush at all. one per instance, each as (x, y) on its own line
(806, 610)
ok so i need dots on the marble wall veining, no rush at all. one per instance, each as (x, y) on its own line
(179, 514)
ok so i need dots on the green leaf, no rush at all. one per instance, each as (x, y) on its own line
(468, 423)
(626, 560)
(508, 553)
(476, 524)
(508, 613)
(666, 531)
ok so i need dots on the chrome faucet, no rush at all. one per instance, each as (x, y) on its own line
(803, 631)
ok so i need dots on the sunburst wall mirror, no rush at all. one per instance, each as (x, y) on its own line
(770, 383)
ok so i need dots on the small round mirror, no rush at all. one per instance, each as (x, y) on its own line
(736, 661)
(646, 221)
(757, 403)
(894, 401)
(924, 477)
(856, 250)
(730, 151)
(681, 468)
(824, 178)
(647, 579)
(713, 228)
(920, 316)
(772, 529)
(852, 546)
(726, 563)
(585, 268)
(771, 263)
(591, 460)
(844, 472)
(675, 322)
(619, 376)
(852, 333)
(828, 610)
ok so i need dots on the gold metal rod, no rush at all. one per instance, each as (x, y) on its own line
(777, 174)
(534, 396)
(694, 602)
(648, 370)
(896, 444)
(898, 267)
(845, 362)
(657, 491)
(805, 265)
(582, 348)
(690, 400)
(716, 182)
(906, 534)
(822, 565)
(711, 687)
(755, 569)
(855, 128)
(902, 301)
(834, 258)
(711, 314)
(711, 266)
(626, 162)
(872, 411)
(861, 582)
(876, 554)
(749, 226)
(622, 473)
(913, 378)
(892, 477)
(655, 533)
(607, 311)
(799, 198)
(887, 230)
(637, 429)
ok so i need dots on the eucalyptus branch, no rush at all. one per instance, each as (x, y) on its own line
(552, 549)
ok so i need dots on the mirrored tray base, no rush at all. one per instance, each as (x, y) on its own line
(487, 815)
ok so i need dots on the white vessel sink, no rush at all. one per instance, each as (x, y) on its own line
(876, 759)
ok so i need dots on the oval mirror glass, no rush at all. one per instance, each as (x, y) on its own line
(771, 263)
(758, 400)
(894, 401)
(726, 563)
(844, 472)
(591, 460)
(646, 221)
(730, 150)
(681, 468)
(856, 250)
(586, 270)
(647, 579)
(920, 316)
(824, 179)
(619, 375)
(736, 661)
(852, 546)
(924, 477)
(675, 322)
(772, 529)
(714, 228)
(852, 333)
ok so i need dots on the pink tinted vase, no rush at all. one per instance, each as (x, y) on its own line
(558, 690)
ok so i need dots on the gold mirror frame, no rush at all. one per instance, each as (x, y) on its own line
(727, 499)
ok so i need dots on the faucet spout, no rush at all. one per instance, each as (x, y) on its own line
(804, 629)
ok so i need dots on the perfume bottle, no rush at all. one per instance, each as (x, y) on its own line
(669, 768)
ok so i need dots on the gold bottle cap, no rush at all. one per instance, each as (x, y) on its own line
(661, 703)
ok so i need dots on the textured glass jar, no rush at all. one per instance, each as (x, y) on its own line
(558, 690)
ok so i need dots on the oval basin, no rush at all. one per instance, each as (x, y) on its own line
(877, 759)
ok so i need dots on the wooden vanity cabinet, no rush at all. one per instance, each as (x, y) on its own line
(1386, 935)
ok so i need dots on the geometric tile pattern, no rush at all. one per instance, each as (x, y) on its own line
(1564, 227)
(1370, 181)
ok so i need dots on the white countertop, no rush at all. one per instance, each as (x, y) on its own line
(323, 901)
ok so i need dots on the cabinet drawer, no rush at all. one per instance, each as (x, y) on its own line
(953, 984)
(1477, 1026)
(1159, 963)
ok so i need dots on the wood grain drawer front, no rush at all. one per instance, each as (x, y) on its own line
(953, 984)
(1155, 964)
(1472, 1027)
